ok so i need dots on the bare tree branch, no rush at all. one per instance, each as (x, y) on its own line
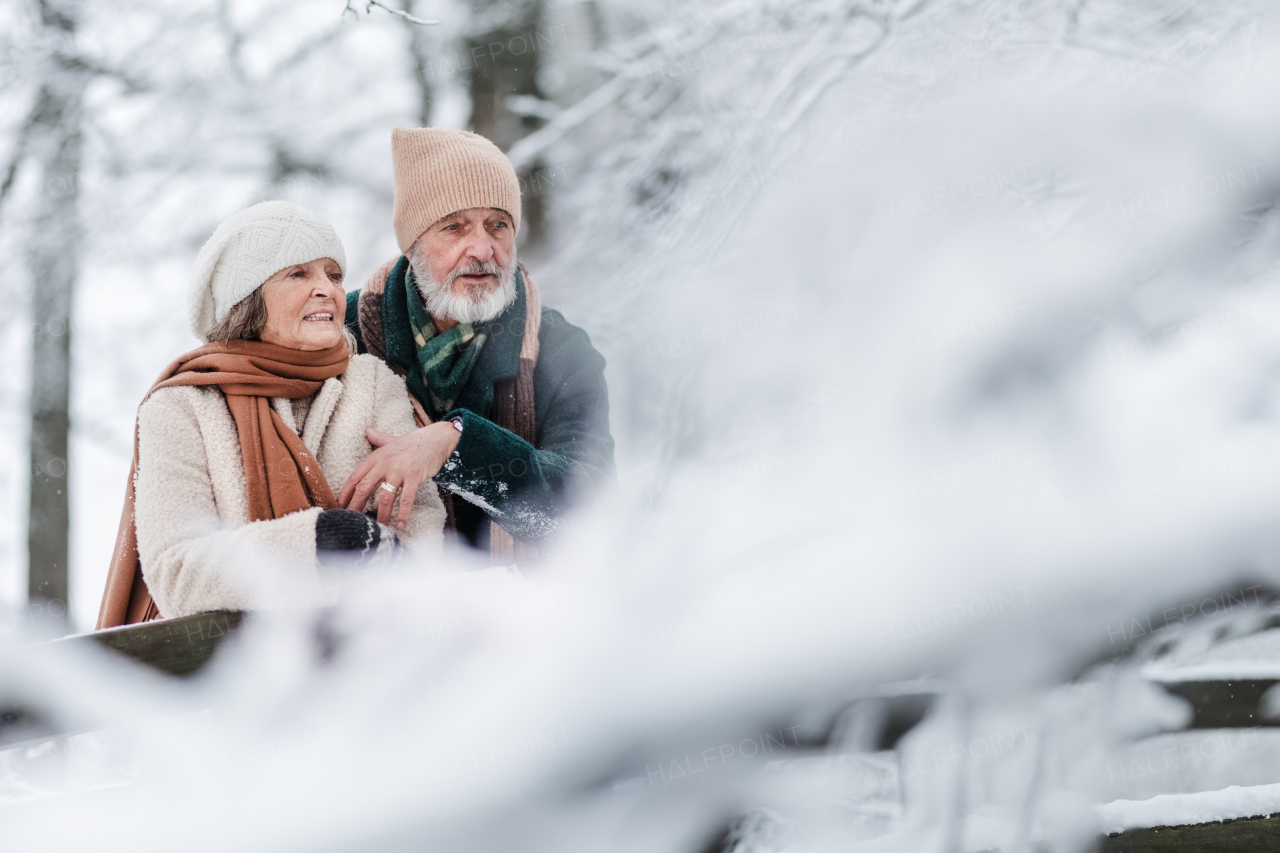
(369, 4)
(79, 62)
(524, 152)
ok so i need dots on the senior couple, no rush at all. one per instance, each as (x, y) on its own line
(317, 427)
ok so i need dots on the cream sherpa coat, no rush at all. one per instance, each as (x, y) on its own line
(197, 548)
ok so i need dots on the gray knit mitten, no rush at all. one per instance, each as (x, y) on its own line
(348, 538)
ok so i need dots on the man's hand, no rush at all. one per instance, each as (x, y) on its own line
(404, 462)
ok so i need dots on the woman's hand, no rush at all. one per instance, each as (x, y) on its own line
(405, 462)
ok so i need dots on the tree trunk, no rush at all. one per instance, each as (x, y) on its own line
(420, 58)
(52, 246)
(505, 62)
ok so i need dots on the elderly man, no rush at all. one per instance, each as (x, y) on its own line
(510, 398)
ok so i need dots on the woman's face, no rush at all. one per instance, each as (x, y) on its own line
(305, 306)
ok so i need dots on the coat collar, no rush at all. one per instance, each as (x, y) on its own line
(499, 359)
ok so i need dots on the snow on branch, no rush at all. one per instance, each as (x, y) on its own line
(527, 150)
(399, 13)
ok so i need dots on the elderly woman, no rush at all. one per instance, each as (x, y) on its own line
(239, 441)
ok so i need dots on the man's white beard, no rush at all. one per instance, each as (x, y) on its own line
(472, 308)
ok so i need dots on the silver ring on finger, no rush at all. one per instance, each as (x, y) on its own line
(389, 489)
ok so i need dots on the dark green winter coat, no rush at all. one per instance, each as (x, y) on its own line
(500, 476)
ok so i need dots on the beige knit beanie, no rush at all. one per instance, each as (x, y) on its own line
(250, 247)
(438, 172)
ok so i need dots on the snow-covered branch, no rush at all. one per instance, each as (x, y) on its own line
(399, 13)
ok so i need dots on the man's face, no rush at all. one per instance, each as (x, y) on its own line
(470, 239)
(464, 266)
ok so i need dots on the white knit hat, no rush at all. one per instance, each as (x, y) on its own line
(249, 248)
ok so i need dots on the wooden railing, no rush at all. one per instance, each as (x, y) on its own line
(181, 647)
(178, 647)
(1215, 705)
(1234, 704)
(1247, 835)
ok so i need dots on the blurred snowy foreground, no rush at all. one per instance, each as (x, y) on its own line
(982, 401)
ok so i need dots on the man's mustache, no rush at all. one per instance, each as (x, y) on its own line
(476, 268)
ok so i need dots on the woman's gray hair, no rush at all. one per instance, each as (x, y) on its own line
(248, 317)
(245, 321)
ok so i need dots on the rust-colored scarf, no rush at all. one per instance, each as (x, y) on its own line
(281, 475)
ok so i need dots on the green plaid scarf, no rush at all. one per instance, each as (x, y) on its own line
(446, 358)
